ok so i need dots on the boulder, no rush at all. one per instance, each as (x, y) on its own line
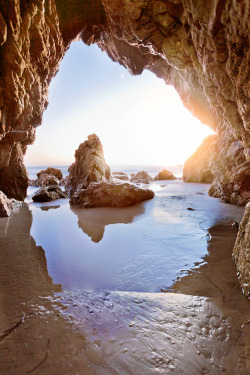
(141, 178)
(51, 171)
(120, 176)
(165, 175)
(90, 166)
(45, 180)
(198, 168)
(48, 194)
(7, 205)
(104, 194)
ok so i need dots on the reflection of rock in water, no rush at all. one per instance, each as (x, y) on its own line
(33, 334)
(47, 208)
(93, 220)
(4, 224)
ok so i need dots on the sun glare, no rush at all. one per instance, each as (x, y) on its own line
(140, 120)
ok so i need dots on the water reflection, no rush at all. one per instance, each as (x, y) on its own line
(94, 220)
(114, 331)
(47, 208)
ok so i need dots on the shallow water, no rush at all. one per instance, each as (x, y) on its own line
(148, 289)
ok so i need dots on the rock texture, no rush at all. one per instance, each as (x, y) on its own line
(90, 166)
(241, 252)
(200, 49)
(44, 180)
(105, 194)
(231, 169)
(198, 167)
(165, 175)
(120, 176)
(141, 178)
(7, 205)
(51, 171)
(48, 194)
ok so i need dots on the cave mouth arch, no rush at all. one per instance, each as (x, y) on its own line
(139, 119)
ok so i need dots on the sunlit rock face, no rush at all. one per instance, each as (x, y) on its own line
(89, 166)
(198, 167)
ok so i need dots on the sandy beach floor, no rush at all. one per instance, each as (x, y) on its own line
(150, 289)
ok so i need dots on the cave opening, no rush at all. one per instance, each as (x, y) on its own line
(140, 120)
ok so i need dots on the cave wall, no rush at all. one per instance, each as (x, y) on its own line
(200, 47)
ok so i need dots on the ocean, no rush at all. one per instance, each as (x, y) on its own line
(152, 170)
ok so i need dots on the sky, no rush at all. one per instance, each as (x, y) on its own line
(139, 119)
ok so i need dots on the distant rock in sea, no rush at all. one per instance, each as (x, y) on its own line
(51, 171)
(165, 175)
(110, 194)
(45, 180)
(90, 166)
(120, 176)
(141, 178)
(48, 194)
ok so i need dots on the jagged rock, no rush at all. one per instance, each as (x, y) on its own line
(7, 205)
(105, 194)
(48, 194)
(45, 180)
(51, 171)
(241, 252)
(141, 178)
(198, 167)
(90, 166)
(14, 177)
(165, 175)
(120, 176)
(231, 169)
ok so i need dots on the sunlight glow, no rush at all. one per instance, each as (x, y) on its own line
(140, 120)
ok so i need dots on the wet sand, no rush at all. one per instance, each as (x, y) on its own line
(193, 321)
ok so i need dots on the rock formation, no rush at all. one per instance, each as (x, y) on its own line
(44, 180)
(201, 48)
(7, 205)
(198, 167)
(48, 194)
(241, 252)
(110, 194)
(90, 166)
(120, 176)
(165, 175)
(51, 171)
(141, 178)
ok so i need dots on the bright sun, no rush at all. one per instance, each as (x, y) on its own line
(140, 120)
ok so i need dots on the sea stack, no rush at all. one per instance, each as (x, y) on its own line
(90, 166)
(90, 183)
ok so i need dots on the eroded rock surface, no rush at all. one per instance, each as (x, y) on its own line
(141, 178)
(90, 166)
(105, 194)
(201, 49)
(198, 167)
(165, 175)
(45, 180)
(120, 176)
(241, 252)
(7, 205)
(48, 194)
(51, 171)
